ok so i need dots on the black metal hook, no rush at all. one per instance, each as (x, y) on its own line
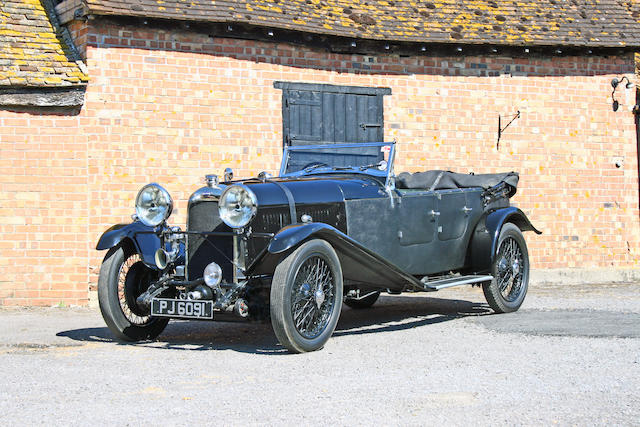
(502, 129)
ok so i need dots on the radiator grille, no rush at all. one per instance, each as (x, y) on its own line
(204, 216)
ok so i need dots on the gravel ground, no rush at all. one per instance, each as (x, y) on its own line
(571, 355)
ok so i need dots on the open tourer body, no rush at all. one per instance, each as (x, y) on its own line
(337, 225)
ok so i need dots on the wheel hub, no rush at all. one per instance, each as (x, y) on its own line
(515, 267)
(319, 297)
(502, 264)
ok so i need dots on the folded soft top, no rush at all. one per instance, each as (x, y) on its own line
(445, 180)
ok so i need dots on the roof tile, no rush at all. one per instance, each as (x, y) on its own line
(29, 43)
(595, 23)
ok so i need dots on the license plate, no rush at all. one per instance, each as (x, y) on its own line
(186, 309)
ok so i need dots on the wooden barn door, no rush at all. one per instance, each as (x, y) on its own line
(324, 114)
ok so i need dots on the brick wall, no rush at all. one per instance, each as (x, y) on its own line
(169, 107)
(43, 209)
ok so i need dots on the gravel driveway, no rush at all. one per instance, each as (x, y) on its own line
(571, 355)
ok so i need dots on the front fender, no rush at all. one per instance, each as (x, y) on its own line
(483, 246)
(358, 263)
(144, 239)
(293, 235)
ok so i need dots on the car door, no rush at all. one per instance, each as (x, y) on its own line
(434, 229)
(417, 217)
(417, 221)
(458, 212)
(452, 224)
(422, 232)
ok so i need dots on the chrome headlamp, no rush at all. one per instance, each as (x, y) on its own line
(153, 205)
(237, 206)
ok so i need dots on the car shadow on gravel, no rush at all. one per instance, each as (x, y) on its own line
(225, 334)
(390, 313)
(394, 313)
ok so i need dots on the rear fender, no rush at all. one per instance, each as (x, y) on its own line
(358, 263)
(144, 240)
(483, 245)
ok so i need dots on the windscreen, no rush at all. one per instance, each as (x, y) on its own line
(338, 157)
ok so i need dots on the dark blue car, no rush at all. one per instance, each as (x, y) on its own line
(337, 225)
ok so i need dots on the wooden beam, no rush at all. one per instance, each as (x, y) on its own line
(42, 97)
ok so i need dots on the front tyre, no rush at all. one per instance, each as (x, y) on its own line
(510, 268)
(306, 297)
(123, 277)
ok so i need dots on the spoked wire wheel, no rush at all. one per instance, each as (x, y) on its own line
(123, 277)
(133, 279)
(306, 296)
(313, 296)
(510, 268)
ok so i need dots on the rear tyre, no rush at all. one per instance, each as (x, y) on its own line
(306, 297)
(361, 303)
(123, 277)
(510, 268)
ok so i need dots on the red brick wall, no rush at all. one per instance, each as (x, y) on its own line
(43, 209)
(171, 106)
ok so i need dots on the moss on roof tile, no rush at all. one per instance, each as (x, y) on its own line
(30, 43)
(597, 23)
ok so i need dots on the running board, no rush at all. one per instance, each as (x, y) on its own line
(453, 281)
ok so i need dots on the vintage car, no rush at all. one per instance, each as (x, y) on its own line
(337, 225)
